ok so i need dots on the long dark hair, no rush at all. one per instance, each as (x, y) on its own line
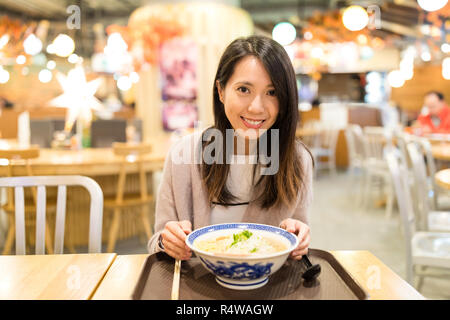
(284, 186)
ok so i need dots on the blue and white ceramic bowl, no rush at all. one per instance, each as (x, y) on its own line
(242, 272)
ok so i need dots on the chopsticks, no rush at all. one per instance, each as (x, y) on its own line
(176, 280)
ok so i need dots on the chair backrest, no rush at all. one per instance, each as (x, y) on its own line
(421, 183)
(312, 140)
(41, 182)
(375, 140)
(131, 153)
(105, 132)
(328, 138)
(13, 155)
(399, 174)
(351, 144)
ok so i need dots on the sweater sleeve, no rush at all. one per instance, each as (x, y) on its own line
(165, 209)
(306, 196)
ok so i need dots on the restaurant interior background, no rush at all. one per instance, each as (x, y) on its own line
(76, 76)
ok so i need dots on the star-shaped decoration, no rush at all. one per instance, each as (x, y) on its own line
(78, 96)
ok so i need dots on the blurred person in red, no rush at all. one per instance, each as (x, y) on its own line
(435, 116)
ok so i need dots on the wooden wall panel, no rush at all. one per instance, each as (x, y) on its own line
(426, 78)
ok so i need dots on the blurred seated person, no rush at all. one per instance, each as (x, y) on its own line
(315, 103)
(5, 104)
(435, 116)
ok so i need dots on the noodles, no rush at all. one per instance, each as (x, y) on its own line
(244, 243)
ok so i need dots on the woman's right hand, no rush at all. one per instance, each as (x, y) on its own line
(173, 239)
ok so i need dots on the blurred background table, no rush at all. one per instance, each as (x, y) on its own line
(102, 165)
(441, 151)
(442, 178)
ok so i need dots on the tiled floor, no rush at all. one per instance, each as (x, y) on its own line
(339, 223)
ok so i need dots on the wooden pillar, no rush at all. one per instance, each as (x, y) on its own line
(212, 26)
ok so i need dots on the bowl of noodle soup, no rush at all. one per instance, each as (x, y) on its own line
(242, 256)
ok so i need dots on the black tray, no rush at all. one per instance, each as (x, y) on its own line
(197, 283)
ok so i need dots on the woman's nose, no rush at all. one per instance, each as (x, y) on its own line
(257, 105)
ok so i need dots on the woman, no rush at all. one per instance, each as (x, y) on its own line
(255, 95)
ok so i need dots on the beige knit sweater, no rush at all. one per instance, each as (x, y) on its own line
(182, 194)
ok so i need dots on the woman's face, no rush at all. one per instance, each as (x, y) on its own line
(249, 97)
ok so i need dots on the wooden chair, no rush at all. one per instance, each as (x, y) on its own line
(13, 155)
(96, 210)
(131, 154)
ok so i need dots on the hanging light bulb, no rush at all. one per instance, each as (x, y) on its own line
(432, 5)
(124, 83)
(395, 79)
(446, 68)
(63, 45)
(51, 48)
(73, 58)
(45, 76)
(134, 76)
(32, 45)
(21, 59)
(4, 75)
(445, 48)
(426, 56)
(4, 40)
(284, 33)
(308, 35)
(51, 65)
(355, 18)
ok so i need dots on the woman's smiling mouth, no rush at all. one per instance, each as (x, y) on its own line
(252, 123)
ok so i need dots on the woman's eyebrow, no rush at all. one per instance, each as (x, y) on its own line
(251, 84)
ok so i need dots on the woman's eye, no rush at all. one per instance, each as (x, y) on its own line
(243, 89)
(271, 93)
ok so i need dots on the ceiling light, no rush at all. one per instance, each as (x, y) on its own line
(308, 35)
(446, 68)
(4, 40)
(4, 76)
(284, 33)
(445, 48)
(134, 76)
(51, 65)
(21, 59)
(395, 79)
(432, 5)
(355, 18)
(32, 45)
(45, 76)
(73, 58)
(426, 56)
(124, 83)
(63, 45)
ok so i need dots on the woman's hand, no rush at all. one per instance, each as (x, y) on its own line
(173, 237)
(302, 231)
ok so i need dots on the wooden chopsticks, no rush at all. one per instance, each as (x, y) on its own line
(176, 280)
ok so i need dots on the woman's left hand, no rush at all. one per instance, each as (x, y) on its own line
(302, 231)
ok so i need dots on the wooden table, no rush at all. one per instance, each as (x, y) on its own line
(376, 278)
(89, 162)
(102, 165)
(442, 178)
(52, 277)
(441, 151)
